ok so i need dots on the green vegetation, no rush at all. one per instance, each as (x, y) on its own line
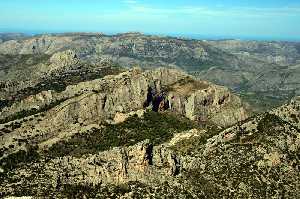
(193, 145)
(264, 101)
(156, 127)
(3, 103)
(187, 84)
(21, 61)
(91, 191)
(33, 111)
(233, 173)
(21, 157)
(134, 188)
(295, 118)
(59, 82)
(268, 123)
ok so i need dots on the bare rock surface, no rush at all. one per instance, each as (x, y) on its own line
(244, 160)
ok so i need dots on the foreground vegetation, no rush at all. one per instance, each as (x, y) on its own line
(157, 127)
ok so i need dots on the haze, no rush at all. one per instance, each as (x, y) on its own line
(269, 19)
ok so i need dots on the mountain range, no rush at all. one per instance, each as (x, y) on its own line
(266, 74)
(86, 115)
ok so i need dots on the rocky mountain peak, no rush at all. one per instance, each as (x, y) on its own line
(64, 59)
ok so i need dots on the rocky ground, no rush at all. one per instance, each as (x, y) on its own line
(149, 134)
(74, 124)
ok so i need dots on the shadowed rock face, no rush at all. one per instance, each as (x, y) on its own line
(56, 113)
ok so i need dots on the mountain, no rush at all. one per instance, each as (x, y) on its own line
(85, 115)
(91, 117)
(11, 36)
(266, 74)
(124, 136)
(112, 97)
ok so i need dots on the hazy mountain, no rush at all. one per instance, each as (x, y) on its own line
(253, 68)
(11, 36)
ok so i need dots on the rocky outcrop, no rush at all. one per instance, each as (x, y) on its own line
(290, 112)
(63, 59)
(131, 91)
(134, 89)
(202, 101)
(122, 117)
(254, 158)
(51, 116)
(45, 44)
(141, 162)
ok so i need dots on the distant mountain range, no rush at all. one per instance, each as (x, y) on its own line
(266, 74)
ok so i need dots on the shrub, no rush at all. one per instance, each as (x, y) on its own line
(156, 127)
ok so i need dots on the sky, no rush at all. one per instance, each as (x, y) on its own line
(257, 19)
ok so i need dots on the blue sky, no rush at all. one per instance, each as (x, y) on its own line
(229, 18)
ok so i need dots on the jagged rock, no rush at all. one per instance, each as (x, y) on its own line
(100, 100)
(63, 59)
(290, 112)
(202, 101)
(141, 162)
(128, 92)
(236, 64)
(254, 158)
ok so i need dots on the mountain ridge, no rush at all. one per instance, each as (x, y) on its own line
(135, 116)
(265, 68)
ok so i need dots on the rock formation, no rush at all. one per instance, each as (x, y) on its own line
(74, 124)
(253, 158)
(265, 68)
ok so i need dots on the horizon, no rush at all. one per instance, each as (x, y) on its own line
(175, 35)
(255, 20)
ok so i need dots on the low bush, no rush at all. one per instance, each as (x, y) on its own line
(156, 127)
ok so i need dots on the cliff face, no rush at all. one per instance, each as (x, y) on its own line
(254, 158)
(55, 114)
(102, 112)
(141, 162)
(202, 101)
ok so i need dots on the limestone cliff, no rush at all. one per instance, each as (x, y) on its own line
(254, 158)
(53, 114)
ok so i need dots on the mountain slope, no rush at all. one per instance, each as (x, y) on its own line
(256, 158)
(50, 115)
(269, 69)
